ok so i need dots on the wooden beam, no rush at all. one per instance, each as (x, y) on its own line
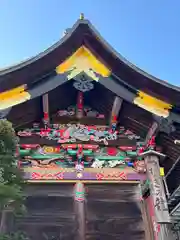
(115, 109)
(84, 181)
(153, 130)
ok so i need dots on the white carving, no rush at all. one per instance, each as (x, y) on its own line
(83, 84)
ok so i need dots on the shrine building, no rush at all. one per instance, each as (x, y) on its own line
(99, 143)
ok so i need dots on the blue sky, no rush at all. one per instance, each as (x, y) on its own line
(146, 32)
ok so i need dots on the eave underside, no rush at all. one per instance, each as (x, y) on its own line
(100, 99)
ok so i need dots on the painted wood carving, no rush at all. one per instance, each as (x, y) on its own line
(82, 152)
(88, 112)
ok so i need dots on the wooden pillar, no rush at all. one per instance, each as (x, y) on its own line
(79, 111)
(80, 210)
(45, 101)
(147, 221)
(161, 220)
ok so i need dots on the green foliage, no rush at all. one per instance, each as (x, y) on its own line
(10, 177)
(11, 182)
(7, 138)
(14, 236)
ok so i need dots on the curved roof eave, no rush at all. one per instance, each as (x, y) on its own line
(102, 40)
(125, 61)
(30, 60)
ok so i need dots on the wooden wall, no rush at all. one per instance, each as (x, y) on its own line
(112, 211)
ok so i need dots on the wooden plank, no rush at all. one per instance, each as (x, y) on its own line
(109, 218)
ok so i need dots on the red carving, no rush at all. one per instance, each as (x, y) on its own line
(57, 149)
(35, 175)
(151, 142)
(46, 176)
(80, 100)
(80, 148)
(141, 150)
(46, 116)
(24, 134)
(88, 146)
(85, 146)
(112, 151)
(111, 176)
(124, 148)
(44, 132)
(70, 146)
(30, 146)
(99, 176)
(91, 128)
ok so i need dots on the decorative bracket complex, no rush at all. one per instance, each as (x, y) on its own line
(166, 125)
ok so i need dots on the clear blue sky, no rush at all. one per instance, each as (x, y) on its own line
(146, 32)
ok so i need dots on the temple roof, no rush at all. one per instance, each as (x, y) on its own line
(82, 50)
(83, 33)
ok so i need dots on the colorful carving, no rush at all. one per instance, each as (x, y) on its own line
(79, 156)
(71, 111)
(112, 176)
(140, 166)
(46, 176)
(88, 174)
(101, 164)
(92, 155)
(83, 61)
(88, 112)
(77, 132)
